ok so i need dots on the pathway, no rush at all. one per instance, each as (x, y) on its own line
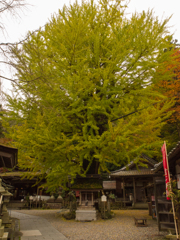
(36, 228)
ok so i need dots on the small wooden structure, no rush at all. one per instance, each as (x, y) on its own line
(163, 206)
(136, 184)
(87, 190)
(140, 222)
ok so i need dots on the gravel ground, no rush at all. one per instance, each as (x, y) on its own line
(120, 227)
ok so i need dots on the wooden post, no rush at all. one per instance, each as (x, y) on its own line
(134, 188)
(108, 206)
(104, 209)
(156, 204)
(99, 204)
(124, 193)
(86, 202)
(178, 220)
(37, 195)
(71, 206)
(80, 197)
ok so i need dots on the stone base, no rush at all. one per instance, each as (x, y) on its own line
(54, 205)
(86, 215)
(5, 217)
(9, 224)
(5, 236)
(1, 231)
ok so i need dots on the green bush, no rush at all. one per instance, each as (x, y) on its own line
(107, 215)
(69, 215)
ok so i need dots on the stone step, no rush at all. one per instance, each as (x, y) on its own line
(5, 236)
(86, 208)
(1, 231)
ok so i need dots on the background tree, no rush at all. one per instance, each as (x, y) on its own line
(8, 8)
(84, 97)
(1, 128)
(171, 89)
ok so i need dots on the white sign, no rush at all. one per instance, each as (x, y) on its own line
(177, 169)
(31, 198)
(109, 185)
(103, 198)
(178, 181)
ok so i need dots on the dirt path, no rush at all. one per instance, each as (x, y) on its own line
(121, 227)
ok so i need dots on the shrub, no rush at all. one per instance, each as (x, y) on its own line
(107, 215)
(69, 215)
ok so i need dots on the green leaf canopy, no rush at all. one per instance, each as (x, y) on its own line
(76, 78)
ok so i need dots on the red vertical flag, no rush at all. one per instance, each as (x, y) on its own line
(166, 168)
(77, 193)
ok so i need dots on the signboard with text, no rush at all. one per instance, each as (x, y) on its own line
(103, 198)
(109, 185)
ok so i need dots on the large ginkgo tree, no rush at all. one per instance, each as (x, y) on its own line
(84, 96)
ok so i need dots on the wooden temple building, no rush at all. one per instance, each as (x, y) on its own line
(134, 187)
(131, 186)
(137, 184)
(87, 189)
(147, 185)
(13, 177)
(8, 157)
(164, 211)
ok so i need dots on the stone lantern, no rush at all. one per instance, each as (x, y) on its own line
(5, 197)
(4, 221)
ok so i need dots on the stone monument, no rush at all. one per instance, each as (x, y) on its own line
(4, 221)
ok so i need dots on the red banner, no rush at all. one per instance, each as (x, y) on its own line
(77, 193)
(166, 170)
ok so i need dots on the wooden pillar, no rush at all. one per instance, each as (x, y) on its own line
(134, 188)
(156, 203)
(124, 193)
(80, 197)
(37, 195)
(108, 206)
(144, 193)
(92, 199)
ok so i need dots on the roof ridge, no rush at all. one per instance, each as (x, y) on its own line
(148, 158)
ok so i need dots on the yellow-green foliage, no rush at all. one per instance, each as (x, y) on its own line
(87, 67)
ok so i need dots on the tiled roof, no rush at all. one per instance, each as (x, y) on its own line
(173, 150)
(150, 160)
(19, 174)
(155, 166)
(133, 173)
(170, 155)
(87, 184)
(129, 165)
